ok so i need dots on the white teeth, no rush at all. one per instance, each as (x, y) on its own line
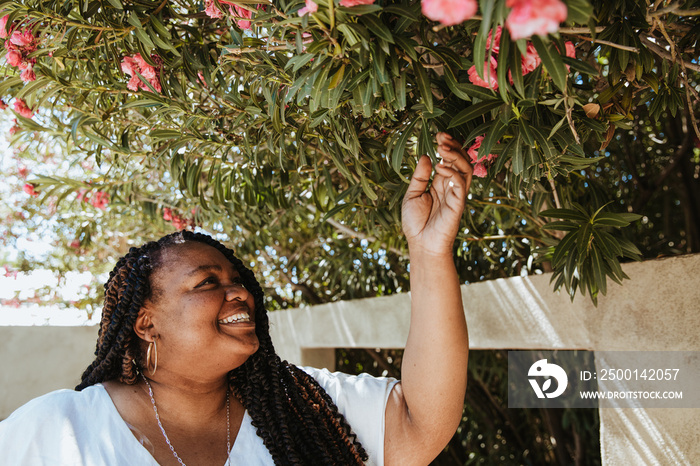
(242, 317)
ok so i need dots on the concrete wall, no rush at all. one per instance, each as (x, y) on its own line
(656, 310)
(37, 360)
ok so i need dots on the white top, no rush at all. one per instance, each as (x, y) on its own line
(66, 427)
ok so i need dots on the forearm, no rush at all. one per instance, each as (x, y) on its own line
(434, 368)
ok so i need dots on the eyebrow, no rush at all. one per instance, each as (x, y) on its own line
(204, 268)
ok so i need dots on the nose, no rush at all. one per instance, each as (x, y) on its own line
(236, 291)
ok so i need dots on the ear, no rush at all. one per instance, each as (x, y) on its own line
(143, 327)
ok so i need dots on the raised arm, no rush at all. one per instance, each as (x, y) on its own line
(424, 410)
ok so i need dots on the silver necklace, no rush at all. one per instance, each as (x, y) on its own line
(167, 440)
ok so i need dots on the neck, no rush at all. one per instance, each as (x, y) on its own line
(188, 402)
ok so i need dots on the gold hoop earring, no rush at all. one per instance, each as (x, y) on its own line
(155, 358)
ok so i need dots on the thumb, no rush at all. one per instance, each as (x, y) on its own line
(421, 178)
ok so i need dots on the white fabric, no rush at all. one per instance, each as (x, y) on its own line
(84, 428)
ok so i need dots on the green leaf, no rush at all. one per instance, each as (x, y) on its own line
(563, 249)
(474, 111)
(359, 9)
(400, 147)
(375, 25)
(453, 85)
(560, 226)
(579, 11)
(551, 58)
(423, 85)
(480, 44)
(477, 91)
(611, 219)
(565, 214)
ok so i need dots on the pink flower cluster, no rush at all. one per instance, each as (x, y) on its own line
(529, 61)
(179, 222)
(99, 200)
(136, 64)
(310, 7)
(479, 164)
(19, 45)
(448, 12)
(29, 189)
(21, 107)
(243, 14)
(10, 273)
(530, 17)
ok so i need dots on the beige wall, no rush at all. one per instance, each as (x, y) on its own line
(656, 310)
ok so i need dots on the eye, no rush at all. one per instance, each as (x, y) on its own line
(207, 281)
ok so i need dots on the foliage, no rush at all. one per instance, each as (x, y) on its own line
(490, 432)
(312, 120)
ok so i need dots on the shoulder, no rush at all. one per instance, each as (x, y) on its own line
(48, 429)
(345, 387)
(59, 402)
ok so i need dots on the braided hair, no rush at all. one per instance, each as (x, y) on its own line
(295, 417)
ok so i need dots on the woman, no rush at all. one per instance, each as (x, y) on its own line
(185, 371)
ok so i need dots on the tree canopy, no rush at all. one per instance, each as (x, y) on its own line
(291, 133)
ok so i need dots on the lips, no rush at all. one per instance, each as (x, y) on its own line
(236, 318)
(239, 313)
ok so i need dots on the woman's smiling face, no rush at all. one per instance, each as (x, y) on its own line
(202, 317)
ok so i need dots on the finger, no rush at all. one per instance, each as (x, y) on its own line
(447, 140)
(452, 183)
(455, 158)
(452, 175)
(420, 178)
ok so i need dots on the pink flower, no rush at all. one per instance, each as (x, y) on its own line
(75, 244)
(311, 7)
(22, 171)
(494, 42)
(480, 170)
(447, 12)
(3, 105)
(473, 152)
(21, 108)
(531, 59)
(133, 66)
(352, 3)
(3, 26)
(490, 74)
(202, 81)
(241, 13)
(167, 214)
(15, 127)
(129, 66)
(179, 223)
(570, 49)
(29, 189)
(28, 74)
(100, 200)
(529, 17)
(81, 195)
(211, 10)
(134, 83)
(24, 39)
(147, 71)
(10, 273)
(13, 57)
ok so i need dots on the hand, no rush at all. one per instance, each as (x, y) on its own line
(431, 218)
